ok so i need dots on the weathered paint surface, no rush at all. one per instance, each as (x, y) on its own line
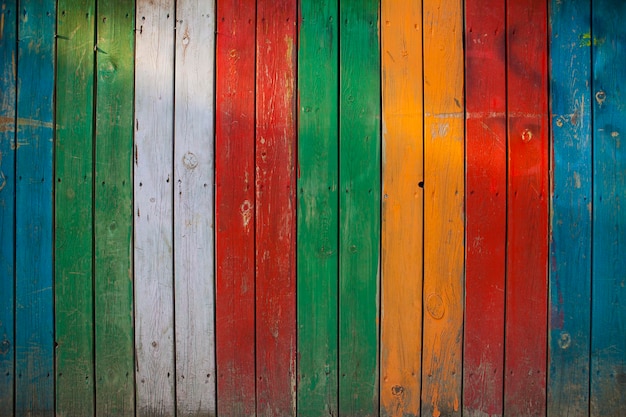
(34, 322)
(570, 240)
(527, 209)
(318, 207)
(113, 209)
(153, 209)
(193, 200)
(608, 337)
(485, 232)
(235, 207)
(359, 207)
(402, 208)
(73, 208)
(275, 208)
(443, 208)
(8, 75)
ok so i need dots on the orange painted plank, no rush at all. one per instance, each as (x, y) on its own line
(402, 216)
(485, 69)
(443, 208)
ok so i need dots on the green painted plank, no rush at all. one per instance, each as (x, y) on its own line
(570, 244)
(34, 392)
(359, 233)
(113, 209)
(608, 338)
(73, 208)
(318, 207)
(8, 44)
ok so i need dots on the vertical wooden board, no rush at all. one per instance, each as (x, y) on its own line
(113, 210)
(8, 44)
(359, 217)
(153, 208)
(443, 208)
(402, 215)
(275, 182)
(318, 207)
(234, 207)
(73, 208)
(570, 220)
(193, 208)
(608, 345)
(485, 123)
(34, 327)
(527, 209)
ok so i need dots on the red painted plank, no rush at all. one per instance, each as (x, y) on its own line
(485, 67)
(235, 301)
(275, 207)
(527, 225)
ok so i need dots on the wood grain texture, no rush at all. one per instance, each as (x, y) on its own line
(74, 208)
(443, 208)
(527, 209)
(402, 208)
(318, 207)
(608, 344)
(276, 208)
(113, 210)
(193, 208)
(235, 207)
(8, 107)
(153, 208)
(34, 304)
(485, 233)
(570, 243)
(359, 185)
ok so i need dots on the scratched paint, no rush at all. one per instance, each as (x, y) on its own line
(401, 310)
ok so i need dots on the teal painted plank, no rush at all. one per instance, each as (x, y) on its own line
(8, 32)
(608, 345)
(359, 230)
(113, 210)
(34, 393)
(73, 209)
(570, 244)
(318, 207)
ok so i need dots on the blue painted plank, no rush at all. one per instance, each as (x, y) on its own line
(8, 32)
(570, 244)
(34, 392)
(608, 345)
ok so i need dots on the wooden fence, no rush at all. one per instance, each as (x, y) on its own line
(312, 207)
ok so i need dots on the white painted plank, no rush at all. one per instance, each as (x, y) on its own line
(153, 192)
(193, 208)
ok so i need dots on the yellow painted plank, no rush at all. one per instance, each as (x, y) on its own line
(443, 207)
(402, 227)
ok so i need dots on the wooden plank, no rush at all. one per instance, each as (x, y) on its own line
(570, 244)
(275, 208)
(113, 210)
(359, 235)
(73, 208)
(8, 46)
(34, 326)
(485, 124)
(193, 208)
(443, 208)
(527, 209)
(318, 207)
(234, 208)
(402, 209)
(608, 344)
(153, 208)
